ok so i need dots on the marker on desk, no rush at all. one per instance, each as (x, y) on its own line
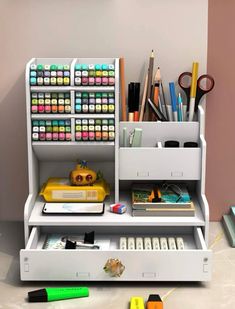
(137, 303)
(193, 90)
(173, 100)
(154, 302)
(52, 294)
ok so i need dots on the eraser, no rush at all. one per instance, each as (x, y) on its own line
(118, 208)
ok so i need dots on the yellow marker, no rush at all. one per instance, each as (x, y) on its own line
(137, 303)
(193, 90)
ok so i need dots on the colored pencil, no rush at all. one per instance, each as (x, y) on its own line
(143, 102)
(123, 89)
(150, 80)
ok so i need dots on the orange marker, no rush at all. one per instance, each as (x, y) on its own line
(154, 302)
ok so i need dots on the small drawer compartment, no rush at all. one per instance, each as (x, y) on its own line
(51, 130)
(93, 73)
(50, 72)
(50, 103)
(192, 263)
(147, 163)
(94, 102)
(94, 129)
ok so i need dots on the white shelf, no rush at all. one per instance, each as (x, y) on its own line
(71, 88)
(111, 219)
(62, 151)
(64, 116)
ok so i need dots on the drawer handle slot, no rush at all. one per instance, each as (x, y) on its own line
(143, 174)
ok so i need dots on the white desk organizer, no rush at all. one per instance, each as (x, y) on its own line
(121, 167)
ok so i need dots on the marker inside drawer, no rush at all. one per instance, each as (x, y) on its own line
(139, 243)
(180, 243)
(156, 243)
(123, 243)
(147, 243)
(171, 243)
(131, 243)
(163, 243)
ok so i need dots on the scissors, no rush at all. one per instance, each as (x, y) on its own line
(205, 84)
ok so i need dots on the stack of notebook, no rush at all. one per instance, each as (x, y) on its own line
(166, 200)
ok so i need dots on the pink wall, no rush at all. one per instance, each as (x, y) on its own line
(220, 127)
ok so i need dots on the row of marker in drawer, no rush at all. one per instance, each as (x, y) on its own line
(50, 103)
(94, 74)
(51, 130)
(151, 243)
(99, 102)
(49, 75)
(94, 81)
(94, 130)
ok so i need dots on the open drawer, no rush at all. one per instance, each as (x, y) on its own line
(193, 263)
(150, 163)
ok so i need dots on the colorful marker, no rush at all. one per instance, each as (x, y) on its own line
(52, 294)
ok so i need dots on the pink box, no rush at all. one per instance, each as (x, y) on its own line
(41, 108)
(61, 136)
(34, 109)
(91, 136)
(48, 136)
(48, 109)
(98, 81)
(85, 80)
(91, 81)
(111, 81)
(55, 136)
(105, 81)
(59, 74)
(85, 136)
(78, 136)
(42, 136)
(104, 101)
(68, 136)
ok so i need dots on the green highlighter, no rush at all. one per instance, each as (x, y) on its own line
(52, 294)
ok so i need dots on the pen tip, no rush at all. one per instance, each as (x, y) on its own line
(158, 75)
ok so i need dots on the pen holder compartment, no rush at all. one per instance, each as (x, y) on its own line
(152, 161)
(154, 132)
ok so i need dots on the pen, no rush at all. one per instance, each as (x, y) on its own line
(180, 108)
(157, 111)
(173, 100)
(164, 105)
(193, 90)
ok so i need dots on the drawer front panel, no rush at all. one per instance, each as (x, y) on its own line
(186, 265)
(159, 163)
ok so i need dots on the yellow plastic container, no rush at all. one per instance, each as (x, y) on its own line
(60, 190)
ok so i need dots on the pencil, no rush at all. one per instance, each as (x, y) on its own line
(155, 97)
(159, 79)
(150, 80)
(142, 106)
(123, 89)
